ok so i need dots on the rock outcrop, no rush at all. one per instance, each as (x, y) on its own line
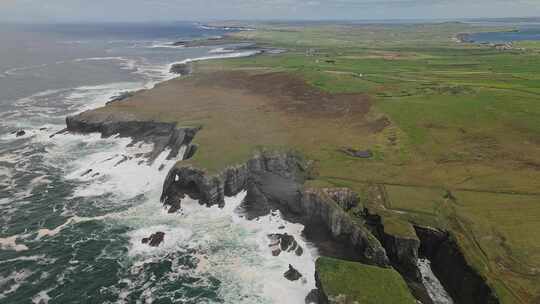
(401, 250)
(313, 297)
(181, 68)
(155, 239)
(212, 189)
(292, 274)
(162, 135)
(19, 133)
(318, 204)
(284, 243)
(121, 96)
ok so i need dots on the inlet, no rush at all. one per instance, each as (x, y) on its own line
(459, 279)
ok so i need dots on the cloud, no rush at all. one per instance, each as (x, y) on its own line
(153, 10)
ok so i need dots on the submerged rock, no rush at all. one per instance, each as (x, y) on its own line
(155, 239)
(292, 274)
(87, 172)
(313, 297)
(181, 68)
(120, 97)
(175, 205)
(20, 133)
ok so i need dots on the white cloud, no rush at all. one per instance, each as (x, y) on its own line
(132, 10)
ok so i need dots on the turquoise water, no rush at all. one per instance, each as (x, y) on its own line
(66, 237)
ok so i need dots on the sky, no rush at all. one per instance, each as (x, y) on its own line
(177, 10)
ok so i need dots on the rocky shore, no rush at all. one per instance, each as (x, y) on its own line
(275, 179)
(163, 135)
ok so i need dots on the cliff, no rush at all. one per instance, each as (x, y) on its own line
(162, 135)
(461, 281)
(402, 250)
(276, 179)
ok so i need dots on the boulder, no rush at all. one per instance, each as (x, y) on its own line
(283, 242)
(181, 68)
(155, 239)
(313, 297)
(20, 133)
(292, 274)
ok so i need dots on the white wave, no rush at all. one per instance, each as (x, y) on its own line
(221, 56)
(436, 291)
(73, 220)
(42, 297)
(5, 173)
(15, 71)
(220, 51)
(40, 259)
(117, 58)
(11, 158)
(154, 73)
(90, 97)
(50, 105)
(246, 266)
(47, 232)
(165, 45)
(121, 171)
(32, 98)
(10, 243)
(229, 247)
(13, 281)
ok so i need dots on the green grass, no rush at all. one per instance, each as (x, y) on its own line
(362, 283)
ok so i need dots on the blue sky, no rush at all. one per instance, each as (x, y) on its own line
(164, 10)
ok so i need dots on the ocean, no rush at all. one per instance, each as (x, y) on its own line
(523, 32)
(71, 237)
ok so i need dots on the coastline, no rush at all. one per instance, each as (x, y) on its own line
(359, 148)
(264, 175)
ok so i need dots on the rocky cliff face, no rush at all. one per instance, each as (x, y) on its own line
(162, 135)
(459, 279)
(402, 251)
(319, 204)
(277, 178)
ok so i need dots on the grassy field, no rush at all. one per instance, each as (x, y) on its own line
(359, 283)
(454, 129)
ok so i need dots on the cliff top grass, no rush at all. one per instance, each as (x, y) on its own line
(438, 116)
(362, 283)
